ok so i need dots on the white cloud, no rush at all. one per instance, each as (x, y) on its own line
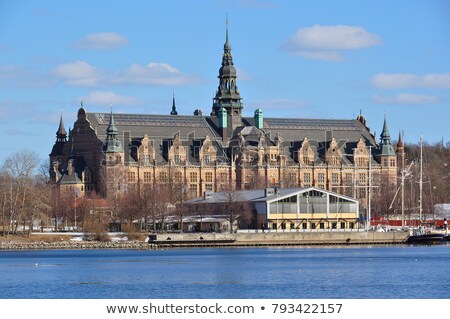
(402, 81)
(79, 73)
(13, 75)
(101, 41)
(154, 74)
(406, 98)
(108, 97)
(328, 42)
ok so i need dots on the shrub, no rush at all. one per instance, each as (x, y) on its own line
(95, 232)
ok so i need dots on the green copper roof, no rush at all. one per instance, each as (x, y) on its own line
(112, 143)
(386, 147)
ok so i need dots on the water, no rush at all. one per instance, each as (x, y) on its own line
(309, 272)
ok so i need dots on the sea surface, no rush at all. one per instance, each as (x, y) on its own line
(306, 272)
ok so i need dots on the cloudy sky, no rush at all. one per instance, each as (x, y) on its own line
(312, 59)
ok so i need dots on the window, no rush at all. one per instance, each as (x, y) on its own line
(292, 226)
(348, 179)
(351, 225)
(293, 179)
(209, 187)
(335, 178)
(333, 225)
(207, 159)
(193, 177)
(274, 226)
(306, 179)
(163, 177)
(178, 177)
(177, 159)
(322, 225)
(321, 180)
(193, 190)
(362, 179)
(273, 182)
(283, 225)
(223, 177)
(342, 225)
(392, 162)
(304, 226)
(131, 177)
(209, 177)
(147, 177)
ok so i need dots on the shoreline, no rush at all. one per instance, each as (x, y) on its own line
(198, 240)
(73, 245)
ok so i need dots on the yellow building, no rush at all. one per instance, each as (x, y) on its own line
(285, 209)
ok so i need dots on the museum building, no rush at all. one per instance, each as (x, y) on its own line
(111, 153)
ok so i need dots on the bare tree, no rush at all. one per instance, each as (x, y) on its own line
(19, 169)
(236, 207)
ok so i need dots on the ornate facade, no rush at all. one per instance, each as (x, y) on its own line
(111, 153)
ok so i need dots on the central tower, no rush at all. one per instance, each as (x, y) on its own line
(227, 94)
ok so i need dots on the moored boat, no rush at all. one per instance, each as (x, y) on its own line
(426, 239)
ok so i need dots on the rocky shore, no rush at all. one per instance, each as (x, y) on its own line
(11, 245)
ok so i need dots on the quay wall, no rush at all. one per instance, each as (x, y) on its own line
(281, 238)
(223, 240)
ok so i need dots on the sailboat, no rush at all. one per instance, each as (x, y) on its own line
(423, 235)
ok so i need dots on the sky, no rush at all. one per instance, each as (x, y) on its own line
(295, 59)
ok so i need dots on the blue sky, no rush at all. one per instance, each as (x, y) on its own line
(312, 59)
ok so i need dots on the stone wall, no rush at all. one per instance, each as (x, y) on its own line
(11, 245)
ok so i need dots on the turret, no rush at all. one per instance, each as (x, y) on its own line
(57, 154)
(259, 118)
(112, 145)
(386, 153)
(400, 151)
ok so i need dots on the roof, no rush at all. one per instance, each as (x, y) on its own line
(158, 128)
(259, 195)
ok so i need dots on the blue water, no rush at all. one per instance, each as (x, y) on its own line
(310, 272)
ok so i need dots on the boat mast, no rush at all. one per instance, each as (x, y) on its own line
(369, 213)
(403, 187)
(420, 181)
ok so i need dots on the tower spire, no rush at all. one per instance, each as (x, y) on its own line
(386, 146)
(174, 107)
(61, 134)
(112, 143)
(227, 44)
(385, 136)
(227, 94)
(112, 129)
